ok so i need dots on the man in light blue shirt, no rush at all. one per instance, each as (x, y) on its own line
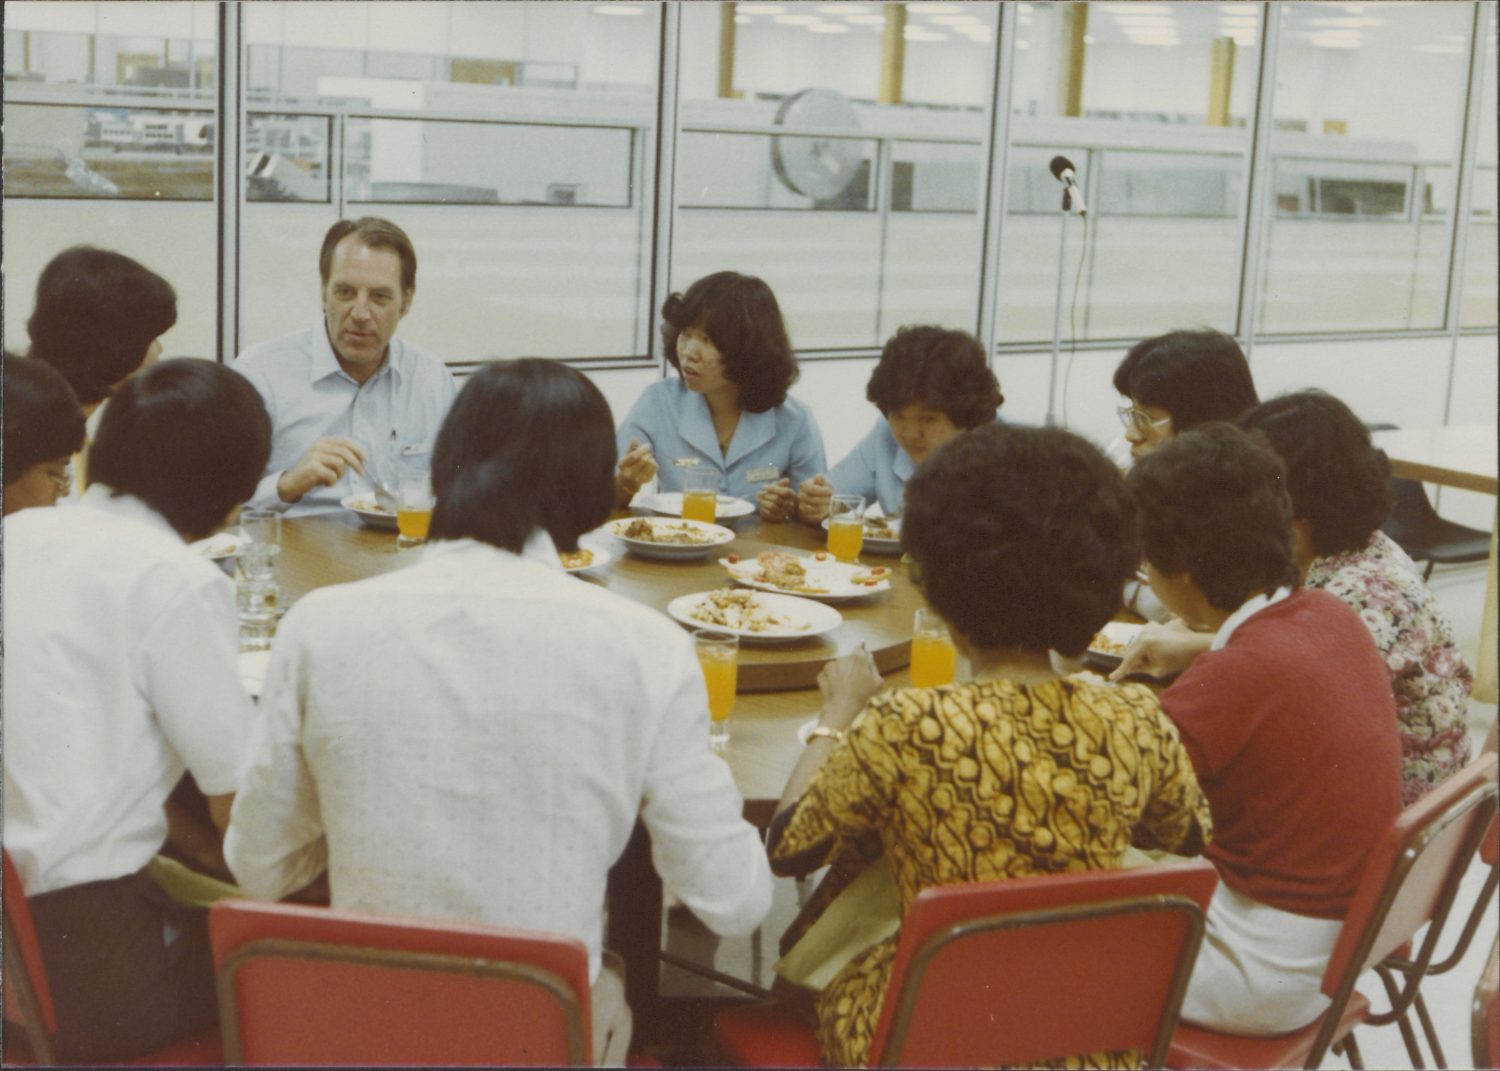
(347, 394)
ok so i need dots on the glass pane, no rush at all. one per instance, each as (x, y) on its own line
(789, 109)
(1481, 278)
(286, 157)
(1151, 103)
(1368, 120)
(109, 141)
(508, 139)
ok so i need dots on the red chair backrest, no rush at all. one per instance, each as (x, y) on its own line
(306, 986)
(23, 961)
(1019, 970)
(1413, 874)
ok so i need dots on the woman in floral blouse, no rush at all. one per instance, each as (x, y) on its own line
(1022, 538)
(1339, 483)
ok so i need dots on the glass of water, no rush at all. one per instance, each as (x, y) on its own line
(259, 604)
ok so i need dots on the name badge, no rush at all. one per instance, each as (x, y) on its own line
(762, 475)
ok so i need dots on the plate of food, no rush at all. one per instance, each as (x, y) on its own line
(754, 616)
(671, 540)
(370, 513)
(1107, 649)
(221, 546)
(669, 504)
(882, 534)
(816, 576)
(591, 554)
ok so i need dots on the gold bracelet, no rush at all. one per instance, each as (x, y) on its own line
(823, 732)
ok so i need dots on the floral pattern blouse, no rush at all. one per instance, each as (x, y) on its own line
(978, 781)
(1428, 675)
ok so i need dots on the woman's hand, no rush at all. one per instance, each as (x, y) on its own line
(635, 468)
(813, 498)
(777, 501)
(1162, 651)
(847, 684)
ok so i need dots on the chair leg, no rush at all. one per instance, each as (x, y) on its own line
(1408, 1035)
(1351, 1052)
(1427, 573)
(1427, 1028)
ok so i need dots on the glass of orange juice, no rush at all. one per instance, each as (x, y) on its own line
(700, 494)
(932, 652)
(718, 654)
(414, 506)
(846, 526)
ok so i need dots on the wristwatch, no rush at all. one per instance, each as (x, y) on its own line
(824, 732)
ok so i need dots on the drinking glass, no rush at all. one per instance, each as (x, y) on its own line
(257, 602)
(414, 495)
(700, 494)
(717, 655)
(846, 527)
(261, 529)
(932, 653)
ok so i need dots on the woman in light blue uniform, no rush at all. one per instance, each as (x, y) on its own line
(729, 409)
(930, 384)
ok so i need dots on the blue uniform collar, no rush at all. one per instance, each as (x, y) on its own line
(697, 429)
(325, 362)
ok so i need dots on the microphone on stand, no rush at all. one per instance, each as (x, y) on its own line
(1063, 171)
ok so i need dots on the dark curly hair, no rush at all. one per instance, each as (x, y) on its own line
(1197, 376)
(97, 313)
(740, 316)
(944, 370)
(1214, 506)
(1021, 537)
(1339, 481)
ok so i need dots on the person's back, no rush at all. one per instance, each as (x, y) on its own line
(1291, 727)
(490, 763)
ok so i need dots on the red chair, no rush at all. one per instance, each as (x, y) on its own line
(1409, 881)
(1486, 1022)
(28, 998)
(1004, 972)
(309, 986)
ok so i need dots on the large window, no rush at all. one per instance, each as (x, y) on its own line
(1369, 119)
(109, 141)
(1481, 279)
(869, 218)
(1153, 104)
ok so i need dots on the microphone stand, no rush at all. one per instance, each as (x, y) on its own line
(1062, 248)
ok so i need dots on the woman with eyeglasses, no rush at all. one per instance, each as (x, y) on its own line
(1173, 383)
(1176, 381)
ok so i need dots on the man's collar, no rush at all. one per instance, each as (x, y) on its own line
(325, 361)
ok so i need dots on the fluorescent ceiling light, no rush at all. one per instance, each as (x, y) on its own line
(1136, 9)
(759, 9)
(797, 20)
(618, 9)
(829, 27)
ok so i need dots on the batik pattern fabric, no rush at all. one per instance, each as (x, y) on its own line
(1415, 638)
(986, 780)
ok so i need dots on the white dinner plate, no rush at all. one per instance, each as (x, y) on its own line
(879, 544)
(221, 546)
(799, 618)
(829, 580)
(669, 504)
(1116, 632)
(598, 546)
(369, 513)
(712, 535)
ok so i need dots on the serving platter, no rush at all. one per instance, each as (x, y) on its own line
(826, 579)
(783, 618)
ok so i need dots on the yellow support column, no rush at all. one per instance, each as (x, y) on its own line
(893, 54)
(1070, 70)
(726, 50)
(1220, 80)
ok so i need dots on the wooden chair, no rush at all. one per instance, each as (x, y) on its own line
(1409, 881)
(1004, 972)
(28, 998)
(308, 986)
